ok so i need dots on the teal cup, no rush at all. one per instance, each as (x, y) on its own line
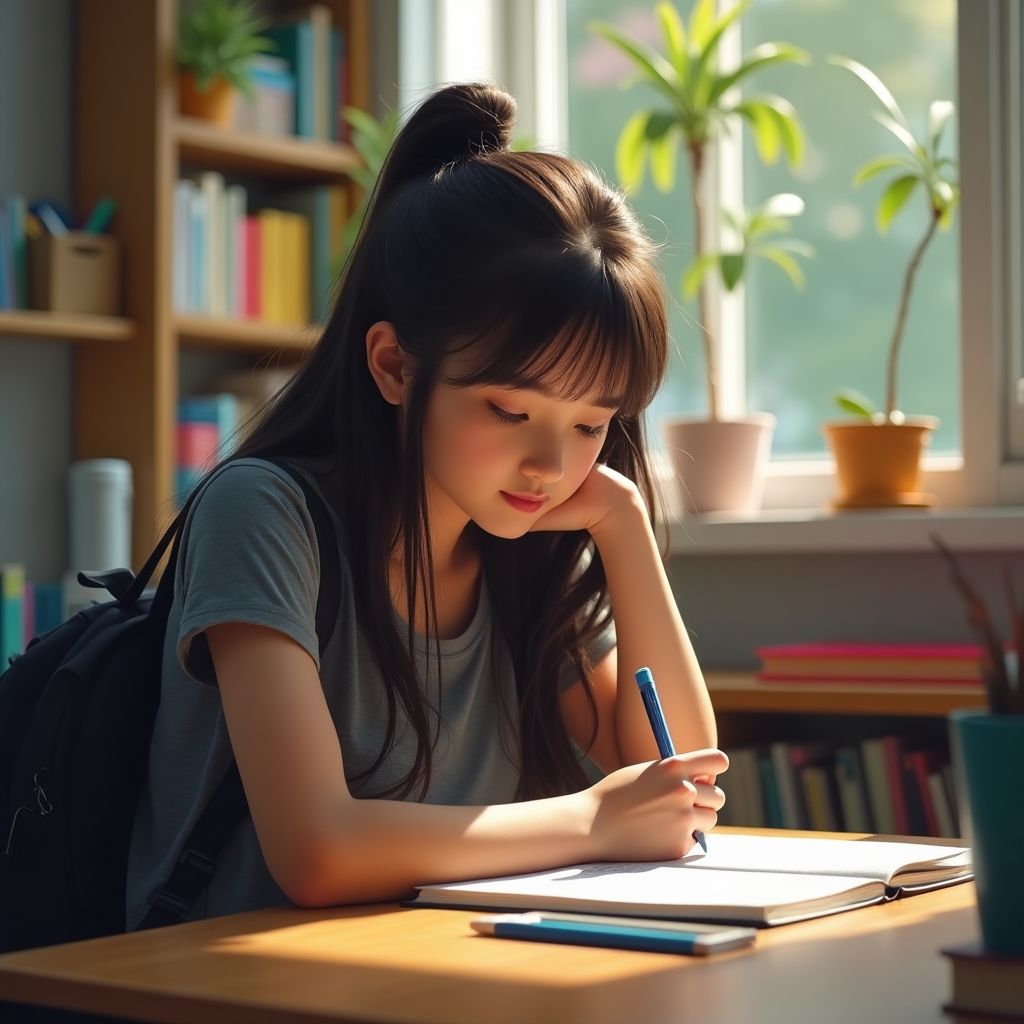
(988, 762)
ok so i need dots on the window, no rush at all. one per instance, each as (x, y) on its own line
(962, 357)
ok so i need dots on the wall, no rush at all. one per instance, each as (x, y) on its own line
(36, 126)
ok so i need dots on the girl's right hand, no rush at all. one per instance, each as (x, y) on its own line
(650, 811)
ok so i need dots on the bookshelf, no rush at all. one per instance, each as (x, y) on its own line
(31, 323)
(131, 143)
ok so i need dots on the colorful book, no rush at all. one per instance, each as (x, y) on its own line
(12, 612)
(924, 663)
(294, 41)
(853, 792)
(879, 791)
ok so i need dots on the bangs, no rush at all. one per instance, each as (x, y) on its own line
(610, 346)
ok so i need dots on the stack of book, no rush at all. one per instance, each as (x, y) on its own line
(207, 429)
(890, 784)
(277, 264)
(986, 986)
(931, 664)
(314, 50)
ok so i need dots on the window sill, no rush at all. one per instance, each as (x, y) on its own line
(806, 531)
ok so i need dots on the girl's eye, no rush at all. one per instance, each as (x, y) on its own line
(592, 431)
(504, 416)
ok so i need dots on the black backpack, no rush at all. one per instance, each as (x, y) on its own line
(76, 718)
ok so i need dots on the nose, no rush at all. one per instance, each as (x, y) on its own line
(544, 460)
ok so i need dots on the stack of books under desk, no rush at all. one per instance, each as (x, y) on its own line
(986, 987)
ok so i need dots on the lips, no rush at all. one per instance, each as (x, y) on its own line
(524, 503)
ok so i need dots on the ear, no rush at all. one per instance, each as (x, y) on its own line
(390, 365)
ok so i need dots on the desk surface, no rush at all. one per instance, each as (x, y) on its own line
(879, 965)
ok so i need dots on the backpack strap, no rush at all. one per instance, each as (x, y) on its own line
(196, 863)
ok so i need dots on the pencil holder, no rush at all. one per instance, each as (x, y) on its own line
(988, 757)
(76, 273)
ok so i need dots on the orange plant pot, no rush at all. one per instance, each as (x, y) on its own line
(878, 465)
(216, 104)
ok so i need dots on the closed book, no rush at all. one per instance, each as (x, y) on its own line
(253, 269)
(770, 789)
(235, 199)
(853, 792)
(271, 266)
(212, 188)
(985, 982)
(879, 792)
(790, 789)
(294, 41)
(324, 207)
(940, 801)
(12, 615)
(821, 814)
(197, 444)
(219, 410)
(746, 786)
(892, 746)
(920, 764)
(957, 663)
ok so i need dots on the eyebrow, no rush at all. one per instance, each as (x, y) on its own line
(528, 384)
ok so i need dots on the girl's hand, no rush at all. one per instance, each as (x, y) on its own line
(650, 811)
(603, 492)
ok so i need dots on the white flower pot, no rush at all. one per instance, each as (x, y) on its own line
(719, 464)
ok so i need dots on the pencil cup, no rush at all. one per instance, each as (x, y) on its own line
(988, 759)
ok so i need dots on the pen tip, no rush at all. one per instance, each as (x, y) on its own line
(699, 836)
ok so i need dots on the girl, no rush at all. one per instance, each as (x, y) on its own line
(472, 416)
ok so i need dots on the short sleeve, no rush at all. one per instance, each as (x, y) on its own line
(249, 554)
(597, 648)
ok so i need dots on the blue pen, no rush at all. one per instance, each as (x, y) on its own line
(616, 932)
(649, 694)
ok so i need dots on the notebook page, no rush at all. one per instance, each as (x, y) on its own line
(888, 862)
(663, 889)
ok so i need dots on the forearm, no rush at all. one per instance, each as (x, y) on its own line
(650, 631)
(382, 848)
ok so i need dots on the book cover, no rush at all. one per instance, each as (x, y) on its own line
(12, 620)
(985, 982)
(882, 661)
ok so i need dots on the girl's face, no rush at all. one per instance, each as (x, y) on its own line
(502, 456)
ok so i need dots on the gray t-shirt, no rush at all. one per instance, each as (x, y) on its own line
(249, 554)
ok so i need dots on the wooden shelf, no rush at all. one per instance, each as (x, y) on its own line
(243, 335)
(65, 326)
(293, 159)
(740, 692)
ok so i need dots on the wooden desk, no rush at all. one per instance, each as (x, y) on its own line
(879, 965)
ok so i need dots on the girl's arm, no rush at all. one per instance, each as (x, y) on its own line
(649, 631)
(323, 846)
(648, 627)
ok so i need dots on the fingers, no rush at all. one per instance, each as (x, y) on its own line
(696, 763)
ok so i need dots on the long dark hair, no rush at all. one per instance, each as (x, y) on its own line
(532, 264)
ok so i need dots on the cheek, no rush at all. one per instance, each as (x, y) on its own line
(463, 442)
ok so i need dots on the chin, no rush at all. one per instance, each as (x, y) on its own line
(497, 527)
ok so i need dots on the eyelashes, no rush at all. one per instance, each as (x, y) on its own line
(503, 416)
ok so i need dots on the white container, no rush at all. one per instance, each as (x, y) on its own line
(100, 493)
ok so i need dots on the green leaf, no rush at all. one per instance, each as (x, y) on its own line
(663, 162)
(674, 31)
(763, 127)
(762, 56)
(854, 402)
(894, 198)
(702, 21)
(939, 113)
(882, 163)
(652, 65)
(630, 151)
(874, 83)
(658, 125)
(732, 265)
(695, 273)
(902, 133)
(701, 82)
(790, 132)
(783, 259)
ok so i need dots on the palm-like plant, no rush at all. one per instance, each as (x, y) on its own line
(219, 38)
(920, 165)
(699, 102)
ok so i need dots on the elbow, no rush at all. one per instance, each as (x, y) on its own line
(323, 872)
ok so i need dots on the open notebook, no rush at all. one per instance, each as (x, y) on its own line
(759, 880)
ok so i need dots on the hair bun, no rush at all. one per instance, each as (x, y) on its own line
(455, 123)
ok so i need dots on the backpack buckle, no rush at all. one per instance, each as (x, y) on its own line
(190, 864)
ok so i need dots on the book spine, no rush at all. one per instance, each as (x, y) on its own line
(894, 771)
(769, 787)
(12, 612)
(790, 791)
(253, 269)
(943, 812)
(879, 794)
(853, 796)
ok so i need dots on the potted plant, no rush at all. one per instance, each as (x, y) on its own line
(988, 758)
(699, 102)
(217, 40)
(878, 454)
